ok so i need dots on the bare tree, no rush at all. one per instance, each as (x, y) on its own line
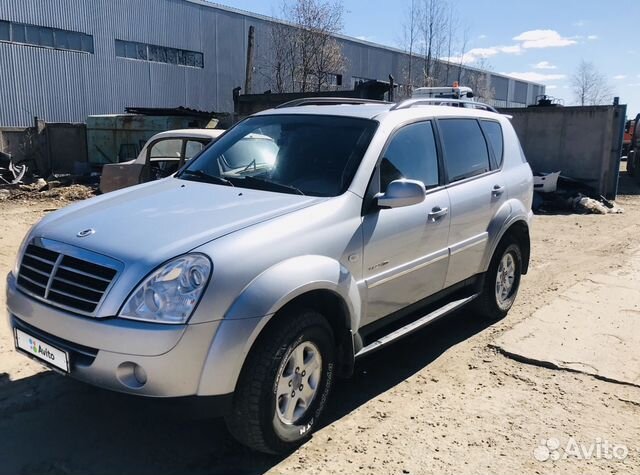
(464, 42)
(306, 56)
(479, 80)
(453, 26)
(433, 29)
(590, 86)
(410, 40)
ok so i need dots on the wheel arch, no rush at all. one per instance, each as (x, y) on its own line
(517, 229)
(317, 281)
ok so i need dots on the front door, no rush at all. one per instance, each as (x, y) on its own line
(405, 249)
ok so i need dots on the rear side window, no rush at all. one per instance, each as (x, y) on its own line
(170, 148)
(466, 153)
(493, 133)
(411, 154)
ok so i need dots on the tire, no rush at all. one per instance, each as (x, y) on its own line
(261, 416)
(490, 306)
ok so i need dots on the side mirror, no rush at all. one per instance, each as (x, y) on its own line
(401, 193)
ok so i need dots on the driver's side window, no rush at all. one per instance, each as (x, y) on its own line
(411, 154)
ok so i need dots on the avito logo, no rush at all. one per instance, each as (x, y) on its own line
(39, 350)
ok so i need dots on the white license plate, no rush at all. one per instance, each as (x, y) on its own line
(43, 351)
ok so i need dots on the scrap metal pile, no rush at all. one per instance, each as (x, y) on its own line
(18, 183)
(556, 193)
(10, 173)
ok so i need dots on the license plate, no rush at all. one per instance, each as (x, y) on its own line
(45, 352)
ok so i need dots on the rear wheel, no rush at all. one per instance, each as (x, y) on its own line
(501, 282)
(285, 383)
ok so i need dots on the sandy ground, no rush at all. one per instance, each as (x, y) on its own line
(445, 400)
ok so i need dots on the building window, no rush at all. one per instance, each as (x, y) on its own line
(355, 80)
(159, 54)
(34, 35)
(334, 79)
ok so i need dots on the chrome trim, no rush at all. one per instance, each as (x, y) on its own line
(54, 269)
(79, 253)
(86, 274)
(467, 243)
(406, 268)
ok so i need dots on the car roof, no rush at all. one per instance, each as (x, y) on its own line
(190, 133)
(381, 111)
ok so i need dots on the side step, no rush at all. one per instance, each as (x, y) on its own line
(415, 325)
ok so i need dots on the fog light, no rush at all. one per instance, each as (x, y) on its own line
(132, 375)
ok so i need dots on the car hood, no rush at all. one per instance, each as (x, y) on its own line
(159, 220)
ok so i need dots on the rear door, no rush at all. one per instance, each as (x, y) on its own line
(476, 190)
(405, 249)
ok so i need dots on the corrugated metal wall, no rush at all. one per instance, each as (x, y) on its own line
(66, 86)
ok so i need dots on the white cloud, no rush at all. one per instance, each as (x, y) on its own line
(544, 65)
(620, 77)
(475, 54)
(592, 37)
(552, 86)
(536, 77)
(482, 37)
(543, 39)
(579, 23)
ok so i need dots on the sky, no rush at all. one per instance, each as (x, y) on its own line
(538, 40)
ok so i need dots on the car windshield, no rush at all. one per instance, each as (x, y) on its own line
(304, 154)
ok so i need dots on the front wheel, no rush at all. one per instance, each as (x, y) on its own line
(285, 383)
(501, 282)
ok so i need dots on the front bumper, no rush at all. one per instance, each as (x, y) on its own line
(126, 356)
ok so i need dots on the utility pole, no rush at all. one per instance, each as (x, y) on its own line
(249, 73)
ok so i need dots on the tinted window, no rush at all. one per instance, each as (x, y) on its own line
(171, 148)
(33, 35)
(465, 149)
(87, 43)
(493, 132)
(75, 40)
(17, 33)
(46, 37)
(411, 154)
(121, 48)
(156, 53)
(309, 154)
(4, 31)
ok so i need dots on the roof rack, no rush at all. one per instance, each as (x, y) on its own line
(435, 101)
(328, 101)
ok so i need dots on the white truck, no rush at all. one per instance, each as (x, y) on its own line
(448, 92)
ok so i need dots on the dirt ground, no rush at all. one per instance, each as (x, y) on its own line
(442, 401)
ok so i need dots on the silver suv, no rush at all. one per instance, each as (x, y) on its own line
(261, 283)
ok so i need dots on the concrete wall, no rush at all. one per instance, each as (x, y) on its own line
(583, 143)
(46, 148)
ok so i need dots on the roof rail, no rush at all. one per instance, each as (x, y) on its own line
(437, 101)
(328, 101)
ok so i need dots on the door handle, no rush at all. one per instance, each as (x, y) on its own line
(497, 190)
(437, 213)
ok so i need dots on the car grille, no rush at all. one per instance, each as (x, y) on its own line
(64, 280)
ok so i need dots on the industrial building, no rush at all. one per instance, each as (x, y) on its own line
(63, 60)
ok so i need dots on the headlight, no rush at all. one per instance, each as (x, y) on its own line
(171, 292)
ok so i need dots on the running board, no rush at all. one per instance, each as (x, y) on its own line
(415, 325)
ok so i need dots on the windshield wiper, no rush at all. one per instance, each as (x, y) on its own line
(268, 185)
(200, 175)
